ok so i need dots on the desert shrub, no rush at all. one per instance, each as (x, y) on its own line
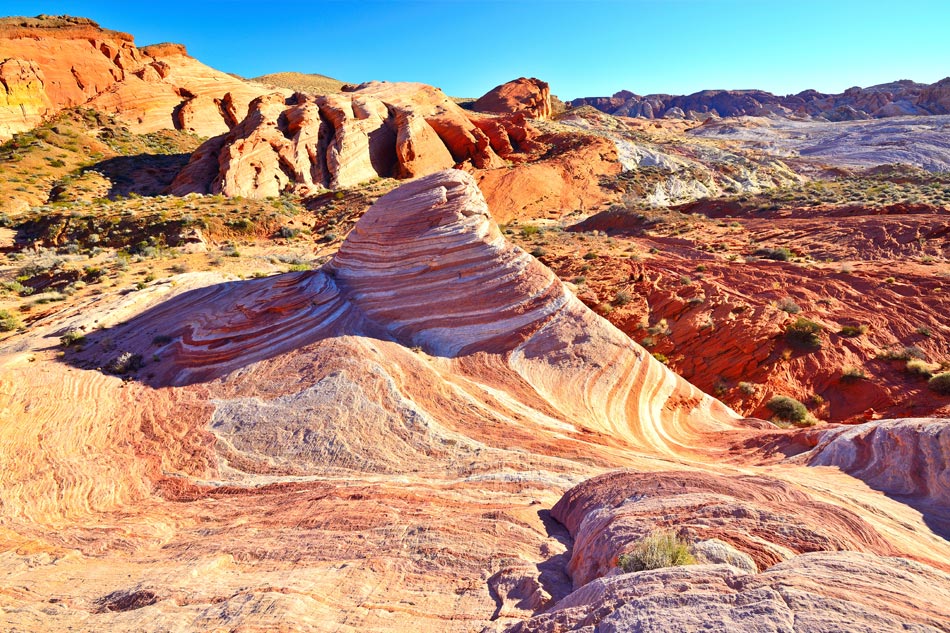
(538, 252)
(8, 322)
(622, 298)
(528, 230)
(804, 333)
(778, 254)
(658, 549)
(787, 305)
(904, 353)
(940, 383)
(661, 357)
(288, 232)
(850, 374)
(788, 409)
(748, 388)
(921, 367)
(851, 331)
(72, 337)
(124, 363)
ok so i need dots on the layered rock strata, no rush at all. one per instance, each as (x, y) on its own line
(376, 445)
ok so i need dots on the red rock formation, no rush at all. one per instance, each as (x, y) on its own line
(71, 61)
(529, 96)
(335, 141)
(373, 446)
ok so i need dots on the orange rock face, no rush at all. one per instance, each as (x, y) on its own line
(55, 63)
(381, 445)
(530, 96)
(335, 141)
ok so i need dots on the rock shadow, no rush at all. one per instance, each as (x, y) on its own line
(206, 333)
(143, 174)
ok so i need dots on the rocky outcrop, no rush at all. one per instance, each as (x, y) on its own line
(935, 98)
(910, 457)
(827, 591)
(761, 517)
(898, 98)
(529, 96)
(310, 143)
(798, 544)
(23, 99)
(60, 62)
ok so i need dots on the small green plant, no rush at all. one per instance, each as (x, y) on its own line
(8, 322)
(804, 333)
(590, 255)
(125, 363)
(924, 331)
(788, 410)
(661, 357)
(778, 254)
(537, 252)
(747, 388)
(940, 383)
(657, 550)
(852, 331)
(529, 229)
(622, 298)
(72, 338)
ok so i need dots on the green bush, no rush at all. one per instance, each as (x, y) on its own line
(8, 322)
(804, 333)
(788, 409)
(921, 367)
(659, 549)
(778, 254)
(72, 337)
(940, 383)
(852, 331)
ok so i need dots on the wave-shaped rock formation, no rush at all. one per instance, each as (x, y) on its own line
(308, 143)
(381, 444)
(898, 98)
(51, 63)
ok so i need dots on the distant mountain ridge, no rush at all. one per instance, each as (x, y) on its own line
(898, 98)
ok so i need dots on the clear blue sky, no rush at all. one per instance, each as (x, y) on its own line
(581, 48)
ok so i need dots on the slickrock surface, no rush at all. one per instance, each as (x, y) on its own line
(53, 63)
(826, 591)
(376, 445)
(378, 129)
(531, 96)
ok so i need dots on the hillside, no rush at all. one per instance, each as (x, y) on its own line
(302, 82)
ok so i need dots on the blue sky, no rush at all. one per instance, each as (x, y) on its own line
(588, 48)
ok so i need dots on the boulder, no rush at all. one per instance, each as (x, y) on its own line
(530, 96)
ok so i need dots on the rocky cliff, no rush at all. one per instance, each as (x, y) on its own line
(311, 142)
(50, 63)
